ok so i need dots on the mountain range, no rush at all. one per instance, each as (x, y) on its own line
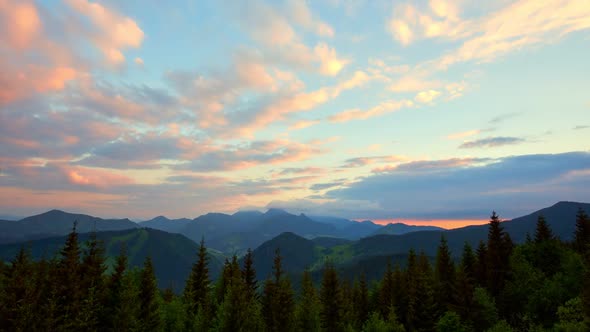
(304, 242)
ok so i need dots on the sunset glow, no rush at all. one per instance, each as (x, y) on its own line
(435, 112)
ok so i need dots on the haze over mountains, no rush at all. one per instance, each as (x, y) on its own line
(304, 242)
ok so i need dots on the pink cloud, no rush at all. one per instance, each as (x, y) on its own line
(100, 178)
(20, 23)
(116, 32)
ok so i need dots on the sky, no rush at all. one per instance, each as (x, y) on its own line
(425, 111)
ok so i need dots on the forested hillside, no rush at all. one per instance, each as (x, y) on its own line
(541, 285)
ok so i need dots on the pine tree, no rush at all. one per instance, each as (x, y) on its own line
(249, 275)
(149, 315)
(361, 300)
(223, 281)
(68, 283)
(582, 233)
(543, 232)
(331, 301)
(410, 304)
(308, 307)
(19, 296)
(400, 293)
(444, 277)
(120, 301)
(237, 311)
(425, 302)
(468, 262)
(92, 285)
(498, 253)
(386, 293)
(196, 290)
(278, 304)
(481, 264)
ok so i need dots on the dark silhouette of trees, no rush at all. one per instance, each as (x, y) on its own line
(542, 284)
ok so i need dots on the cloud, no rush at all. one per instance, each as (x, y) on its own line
(250, 154)
(427, 97)
(115, 31)
(492, 142)
(302, 15)
(20, 25)
(504, 117)
(463, 134)
(475, 189)
(139, 61)
(303, 124)
(380, 109)
(413, 83)
(279, 42)
(324, 186)
(363, 161)
(520, 24)
(431, 165)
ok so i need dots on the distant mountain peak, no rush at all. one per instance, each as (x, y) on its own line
(275, 211)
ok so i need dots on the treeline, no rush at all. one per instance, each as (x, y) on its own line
(541, 285)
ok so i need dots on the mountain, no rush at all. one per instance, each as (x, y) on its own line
(164, 224)
(349, 229)
(238, 232)
(172, 254)
(297, 253)
(55, 223)
(401, 228)
(370, 254)
(561, 217)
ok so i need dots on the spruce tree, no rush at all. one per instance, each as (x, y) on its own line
(543, 232)
(149, 314)
(498, 253)
(308, 307)
(386, 293)
(238, 311)
(444, 277)
(278, 304)
(481, 264)
(19, 294)
(92, 285)
(68, 283)
(196, 291)
(468, 262)
(582, 232)
(249, 275)
(425, 301)
(331, 301)
(361, 300)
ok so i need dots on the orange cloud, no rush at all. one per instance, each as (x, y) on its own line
(117, 32)
(95, 177)
(20, 22)
(380, 109)
(464, 134)
(23, 82)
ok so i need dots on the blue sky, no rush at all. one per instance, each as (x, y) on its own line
(363, 109)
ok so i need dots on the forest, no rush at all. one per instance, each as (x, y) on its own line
(540, 285)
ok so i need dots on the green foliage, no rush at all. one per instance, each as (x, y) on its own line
(307, 313)
(545, 286)
(501, 326)
(450, 322)
(278, 303)
(196, 291)
(485, 313)
(582, 233)
(331, 301)
(149, 315)
(444, 277)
